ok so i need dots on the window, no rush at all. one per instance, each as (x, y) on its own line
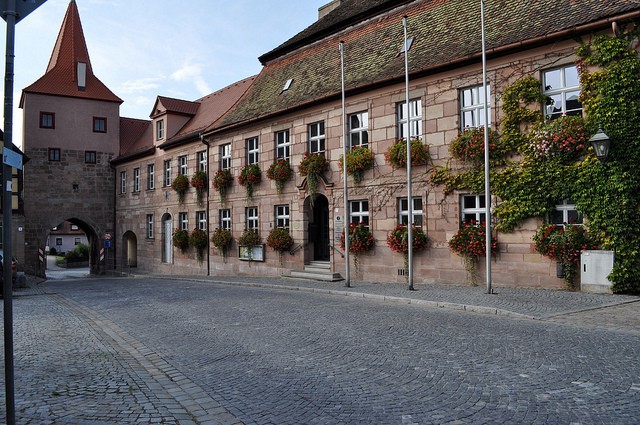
(359, 213)
(282, 216)
(99, 125)
(283, 145)
(473, 208)
(202, 160)
(562, 86)
(76, 241)
(403, 211)
(408, 46)
(149, 226)
(74, 227)
(151, 173)
(565, 213)
(160, 130)
(123, 182)
(225, 156)
(59, 241)
(54, 154)
(316, 137)
(136, 179)
(167, 172)
(472, 107)
(90, 157)
(183, 221)
(182, 165)
(358, 126)
(252, 150)
(201, 220)
(225, 219)
(415, 118)
(251, 218)
(47, 120)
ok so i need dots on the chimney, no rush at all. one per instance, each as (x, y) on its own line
(327, 8)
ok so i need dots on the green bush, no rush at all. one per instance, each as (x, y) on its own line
(79, 253)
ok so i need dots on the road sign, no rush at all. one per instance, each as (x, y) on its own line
(23, 7)
(107, 244)
(11, 158)
(107, 236)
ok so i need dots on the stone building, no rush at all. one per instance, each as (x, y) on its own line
(293, 107)
(71, 133)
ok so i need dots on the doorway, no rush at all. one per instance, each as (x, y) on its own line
(167, 239)
(319, 229)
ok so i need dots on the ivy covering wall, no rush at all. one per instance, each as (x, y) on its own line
(534, 164)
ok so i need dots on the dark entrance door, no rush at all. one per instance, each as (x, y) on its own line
(319, 229)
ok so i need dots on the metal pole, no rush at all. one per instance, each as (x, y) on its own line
(7, 206)
(487, 184)
(345, 150)
(409, 191)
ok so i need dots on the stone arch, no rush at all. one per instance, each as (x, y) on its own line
(129, 249)
(36, 237)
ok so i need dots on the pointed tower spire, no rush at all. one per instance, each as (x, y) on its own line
(69, 72)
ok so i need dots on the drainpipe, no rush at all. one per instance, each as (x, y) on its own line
(201, 137)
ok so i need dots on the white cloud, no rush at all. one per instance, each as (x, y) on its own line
(193, 73)
(140, 85)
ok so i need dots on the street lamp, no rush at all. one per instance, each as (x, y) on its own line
(601, 144)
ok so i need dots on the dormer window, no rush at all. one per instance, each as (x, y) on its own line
(82, 75)
(287, 85)
(409, 44)
(159, 129)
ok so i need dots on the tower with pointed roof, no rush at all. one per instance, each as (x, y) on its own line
(71, 133)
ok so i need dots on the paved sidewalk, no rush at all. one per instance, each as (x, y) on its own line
(514, 302)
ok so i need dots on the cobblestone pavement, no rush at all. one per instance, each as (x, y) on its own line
(148, 350)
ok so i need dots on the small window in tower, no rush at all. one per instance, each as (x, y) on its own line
(90, 157)
(47, 120)
(99, 125)
(82, 76)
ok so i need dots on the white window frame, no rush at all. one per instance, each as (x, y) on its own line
(225, 156)
(359, 133)
(415, 118)
(359, 212)
(283, 144)
(253, 150)
(183, 221)
(562, 92)
(316, 134)
(202, 160)
(123, 182)
(151, 184)
(251, 218)
(201, 220)
(183, 165)
(282, 217)
(167, 173)
(225, 218)
(149, 226)
(403, 211)
(478, 210)
(136, 179)
(565, 207)
(472, 107)
(159, 129)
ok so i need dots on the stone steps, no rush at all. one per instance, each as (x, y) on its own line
(316, 270)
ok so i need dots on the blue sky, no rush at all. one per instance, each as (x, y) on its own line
(144, 48)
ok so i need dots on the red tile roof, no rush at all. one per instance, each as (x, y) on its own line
(135, 136)
(176, 106)
(60, 78)
(446, 32)
(212, 108)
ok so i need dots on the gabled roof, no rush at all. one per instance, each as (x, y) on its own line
(135, 137)
(60, 78)
(447, 33)
(211, 108)
(171, 105)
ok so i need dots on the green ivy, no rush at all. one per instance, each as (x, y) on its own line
(607, 195)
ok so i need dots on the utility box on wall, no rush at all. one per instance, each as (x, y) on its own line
(595, 266)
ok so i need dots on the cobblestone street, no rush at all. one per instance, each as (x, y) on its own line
(149, 350)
